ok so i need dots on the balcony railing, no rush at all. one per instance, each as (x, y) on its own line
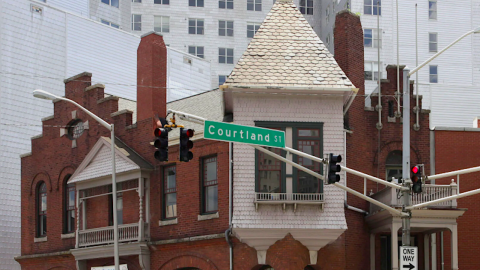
(288, 198)
(430, 192)
(103, 236)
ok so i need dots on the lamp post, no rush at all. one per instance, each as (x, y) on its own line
(406, 135)
(49, 96)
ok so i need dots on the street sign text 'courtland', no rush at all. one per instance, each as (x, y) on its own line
(244, 134)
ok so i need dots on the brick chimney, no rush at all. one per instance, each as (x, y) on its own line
(151, 77)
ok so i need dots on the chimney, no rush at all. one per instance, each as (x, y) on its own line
(151, 77)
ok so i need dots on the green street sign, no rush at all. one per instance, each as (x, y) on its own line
(244, 134)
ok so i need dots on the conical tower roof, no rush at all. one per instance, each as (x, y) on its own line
(286, 53)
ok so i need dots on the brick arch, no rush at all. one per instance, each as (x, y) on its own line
(396, 145)
(41, 176)
(64, 172)
(299, 255)
(189, 260)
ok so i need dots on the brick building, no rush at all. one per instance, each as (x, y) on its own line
(178, 215)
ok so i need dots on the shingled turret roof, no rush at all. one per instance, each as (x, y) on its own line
(286, 53)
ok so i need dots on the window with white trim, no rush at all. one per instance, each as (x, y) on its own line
(252, 29)
(306, 7)
(225, 28)
(196, 26)
(136, 22)
(433, 74)
(209, 185)
(42, 210)
(69, 206)
(432, 42)
(222, 79)
(161, 24)
(169, 193)
(113, 3)
(432, 9)
(110, 23)
(225, 4)
(371, 71)
(136, 1)
(255, 5)
(162, 2)
(198, 51)
(372, 7)
(225, 55)
(195, 3)
(372, 38)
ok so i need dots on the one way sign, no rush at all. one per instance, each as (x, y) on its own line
(408, 258)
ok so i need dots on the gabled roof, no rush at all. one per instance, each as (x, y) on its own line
(286, 53)
(98, 162)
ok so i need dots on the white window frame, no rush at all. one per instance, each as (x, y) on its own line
(370, 7)
(164, 24)
(196, 51)
(110, 3)
(432, 42)
(225, 30)
(372, 66)
(433, 78)
(226, 4)
(136, 23)
(136, 1)
(254, 5)
(196, 3)
(227, 58)
(376, 39)
(196, 26)
(432, 12)
(162, 2)
(255, 26)
(114, 25)
(306, 7)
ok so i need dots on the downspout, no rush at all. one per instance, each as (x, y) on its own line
(379, 106)
(399, 114)
(441, 250)
(416, 126)
(228, 232)
(345, 155)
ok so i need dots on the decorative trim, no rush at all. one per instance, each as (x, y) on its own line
(26, 155)
(168, 222)
(208, 216)
(39, 239)
(132, 127)
(77, 76)
(42, 255)
(107, 99)
(67, 235)
(36, 137)
(121, 112)
(188, 239)
(48, 118)
(98, 85)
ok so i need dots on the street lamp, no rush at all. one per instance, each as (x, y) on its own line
(49, 96)
(406, 133)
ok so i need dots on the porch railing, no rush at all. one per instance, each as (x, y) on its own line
(430, 192)
(288, 198)
(102, 236)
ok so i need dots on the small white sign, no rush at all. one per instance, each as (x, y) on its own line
(408, 258)
(110, 267)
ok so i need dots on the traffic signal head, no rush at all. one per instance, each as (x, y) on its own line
(416, 177)
(186, 144)
(333, 168)
(161, 142)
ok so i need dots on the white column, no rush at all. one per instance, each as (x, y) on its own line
(454, 248)
(372, 251)
(426, 248)
(394, 234)
(288, 167)
(78, 218)
(433, 239)
(141, 227)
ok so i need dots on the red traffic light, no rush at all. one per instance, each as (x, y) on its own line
(190, 133)
(161, 132)
(415, 169)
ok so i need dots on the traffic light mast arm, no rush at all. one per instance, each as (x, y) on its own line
(373, 178)
(188, 117)
(448, 174)
(382, 205)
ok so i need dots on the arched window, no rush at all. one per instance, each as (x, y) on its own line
(42, 210)
(69, 206)
(393, 165)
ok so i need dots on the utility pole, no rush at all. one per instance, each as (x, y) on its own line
(406, 159)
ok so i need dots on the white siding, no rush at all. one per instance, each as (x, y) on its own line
(79, 7)
(250, 108)
(120, 16)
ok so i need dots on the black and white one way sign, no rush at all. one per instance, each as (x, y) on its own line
(408, 258)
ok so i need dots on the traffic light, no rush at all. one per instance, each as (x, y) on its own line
(333, 168)
(186, 144)
(161, 143)
(416, 176)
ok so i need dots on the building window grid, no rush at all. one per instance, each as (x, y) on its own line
(42, 210)
(432, 42)
(109, 24)
(198, 51)
(161, 24)
(196, 26)
(433, 74)
(170, 193)
(268, 168)
(69, 207)
(371, 71)
(372, 38)
(222, 79)
(195, 3)
(225, 28)
(255, 5)
(137, 1)
(136, 22)
(372, 7)
(210, 185)
(113, 3)
(432, 9)
(306, 7)
(162, 2)
(225, 4)
(252, 29)
(225, 55)
(308, 142)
